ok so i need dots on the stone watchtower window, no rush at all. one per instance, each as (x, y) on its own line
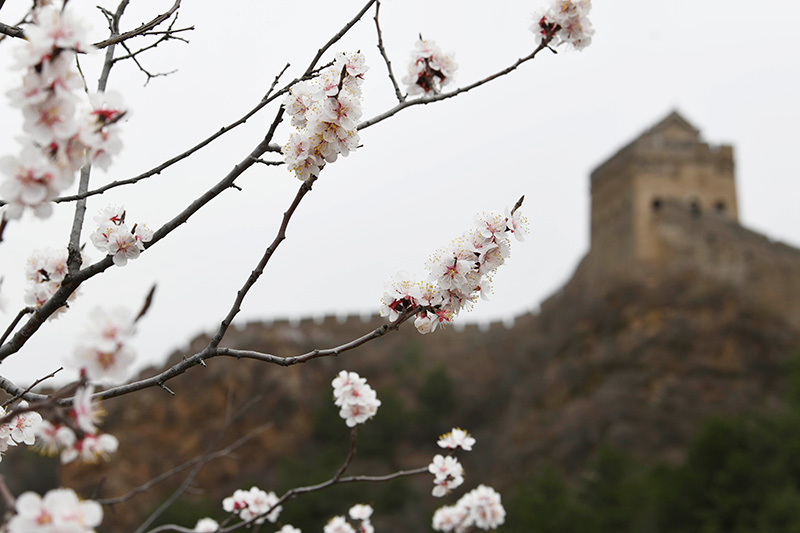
(694, 206)
(656, 204)
(719, 207)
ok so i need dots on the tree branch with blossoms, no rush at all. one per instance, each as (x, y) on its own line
(358, 403)
(68, 134)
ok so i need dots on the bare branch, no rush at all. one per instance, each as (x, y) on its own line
(148, 301)
(114, 39)
(132, 55)
(205, 458)
(305, 188)
(338, 36)
(12, 31)
(275, 81)
(5, 494)
(31, 387)
(24, 311)
(444, 96)
(518, 204)
(223, 452)
(44, 403)
(397, 92)
(313, 354)
(166, 35)
(68, 285)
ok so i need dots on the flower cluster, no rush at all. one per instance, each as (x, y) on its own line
(358, 402)
(249, 504)
(45, 270)
(457, 438)
(115, 238)
(480, 507)
(59, 510)
(447, 471)
(65, 131)
(103, 353)
(448, 474)
(20, 430)
(325, 110)
(360, 512)
(565, 21)
(85, 442)
(429, 69)
(459, 274)
(289, 529)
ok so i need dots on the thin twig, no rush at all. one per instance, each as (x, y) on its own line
(12, 31)
(43, 402)
(397, 92)
(24, 311)
(30, 388)
(148, 301)
(314, 354)
(221, 453)
(230, 420)
(114, 39)
(74, 259)
(341, 33)
(208, 353)
(444, 96)
(305, 188)
(275, 81)
(5, 494)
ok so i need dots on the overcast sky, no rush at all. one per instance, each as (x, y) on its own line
(421, 176)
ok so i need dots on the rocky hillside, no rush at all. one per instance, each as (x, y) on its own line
(636, 367)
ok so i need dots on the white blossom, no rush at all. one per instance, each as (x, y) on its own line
(567, 21)
(459, 273)
(429, 69)
(457, 438)
(249, 504)
(448, 474)
(23, 426)
(206, 525)
(59, 511)
(338, 524)
(64, 128)
(325, 110)
(103, 352)
(481, 508)
(358, 402)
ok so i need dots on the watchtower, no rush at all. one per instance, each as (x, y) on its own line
(668, 164)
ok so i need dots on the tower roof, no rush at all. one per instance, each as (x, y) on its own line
(672, 131)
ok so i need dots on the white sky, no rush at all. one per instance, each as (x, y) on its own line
(420, 176)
